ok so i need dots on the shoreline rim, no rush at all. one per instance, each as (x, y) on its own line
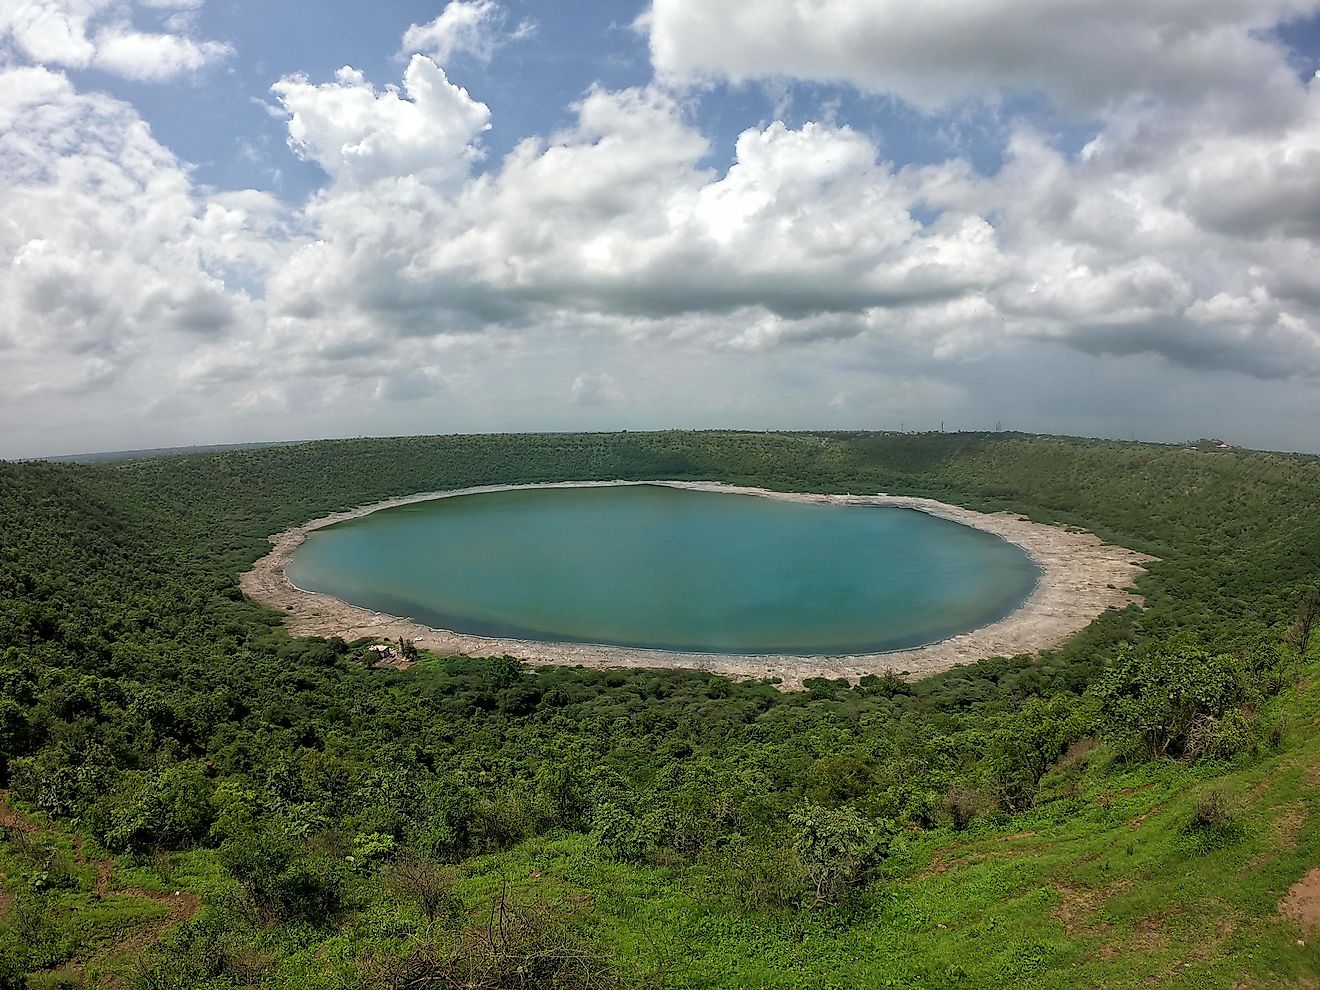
(1079, 578)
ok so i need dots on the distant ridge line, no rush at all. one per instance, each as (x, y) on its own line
(127, 455)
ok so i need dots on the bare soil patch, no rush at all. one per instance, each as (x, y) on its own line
(1302, 902)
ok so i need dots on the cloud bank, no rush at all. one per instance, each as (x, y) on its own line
(1086, 55)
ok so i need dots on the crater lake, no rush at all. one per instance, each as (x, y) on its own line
(658, 567)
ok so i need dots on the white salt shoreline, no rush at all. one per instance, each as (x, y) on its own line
(1080, 577)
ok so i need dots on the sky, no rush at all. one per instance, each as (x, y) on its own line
(237, 220)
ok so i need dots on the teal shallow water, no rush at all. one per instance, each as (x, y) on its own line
(664, 568)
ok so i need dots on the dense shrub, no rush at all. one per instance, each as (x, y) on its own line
(284, 881)
(1180, 700)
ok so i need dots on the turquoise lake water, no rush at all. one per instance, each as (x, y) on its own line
(665, 568)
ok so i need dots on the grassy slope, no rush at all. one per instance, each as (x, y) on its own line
(1105, 886)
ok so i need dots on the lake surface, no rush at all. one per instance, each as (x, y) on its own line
(665, 568)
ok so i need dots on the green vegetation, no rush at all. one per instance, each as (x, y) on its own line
(1126, 810)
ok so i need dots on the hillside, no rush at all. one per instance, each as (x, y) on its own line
(1130, 808)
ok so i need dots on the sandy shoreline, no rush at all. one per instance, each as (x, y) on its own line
(1081, 576)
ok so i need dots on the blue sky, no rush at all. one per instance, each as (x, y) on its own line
(228, 220)
(530, 85)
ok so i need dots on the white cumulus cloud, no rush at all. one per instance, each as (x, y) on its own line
(358, 135)
(108, 272)
(102, 34)
(474, 27)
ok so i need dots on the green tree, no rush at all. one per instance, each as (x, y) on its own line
(1308, 618)
(1025, 745)
(838, 849)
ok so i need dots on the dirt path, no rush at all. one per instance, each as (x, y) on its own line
(179, 906)
(14, 821)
